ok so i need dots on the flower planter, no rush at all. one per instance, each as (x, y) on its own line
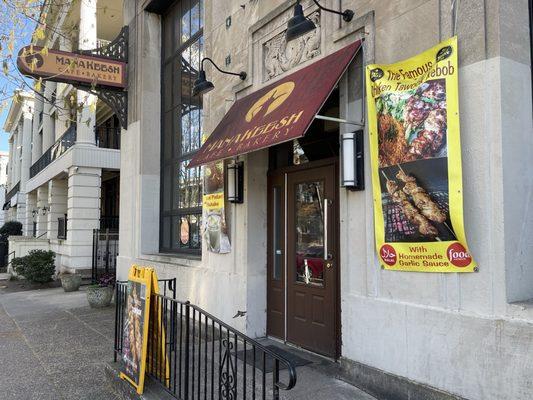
(70, 282)
(99, 296)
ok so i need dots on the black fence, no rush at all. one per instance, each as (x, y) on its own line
(194, 355)
(105, 252)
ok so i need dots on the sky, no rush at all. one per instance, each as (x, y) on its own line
(22, 34)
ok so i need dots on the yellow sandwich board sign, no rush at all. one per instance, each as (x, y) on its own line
(142, 284)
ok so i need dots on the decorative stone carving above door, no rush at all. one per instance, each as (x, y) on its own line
(280, 56)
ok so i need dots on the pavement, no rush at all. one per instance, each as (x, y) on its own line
(53, 346)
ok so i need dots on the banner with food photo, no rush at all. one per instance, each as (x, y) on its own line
(413, 116)
(214, 216)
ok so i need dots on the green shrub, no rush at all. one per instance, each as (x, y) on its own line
(38, 266)
(10, 228)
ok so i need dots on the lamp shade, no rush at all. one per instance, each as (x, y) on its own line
(298, 25)
(235, 187)
(202, 85)
(352, 176)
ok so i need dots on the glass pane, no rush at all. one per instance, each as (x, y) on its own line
(167, 86)
(191, 21)
(277, 239)
(187, 231)
(309, 233)
(189, 186)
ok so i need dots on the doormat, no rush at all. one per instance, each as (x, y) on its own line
(269, 362)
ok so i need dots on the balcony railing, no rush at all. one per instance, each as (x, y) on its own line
(12, 192)
(107, 137)
(109, 223)
(64, 143)
(62, 227)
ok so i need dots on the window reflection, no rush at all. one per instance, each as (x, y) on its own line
(190, 186)
(191, 21)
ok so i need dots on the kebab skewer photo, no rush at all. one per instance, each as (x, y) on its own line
(410, 211)
(423, 202)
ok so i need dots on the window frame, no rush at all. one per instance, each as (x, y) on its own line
(170, 137)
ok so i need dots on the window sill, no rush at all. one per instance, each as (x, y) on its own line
(183, 260)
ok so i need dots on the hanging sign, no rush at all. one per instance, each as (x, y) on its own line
(214, 215)
(142, 284)
(63, 66)
(413, 114)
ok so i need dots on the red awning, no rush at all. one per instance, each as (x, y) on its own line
(277, 113)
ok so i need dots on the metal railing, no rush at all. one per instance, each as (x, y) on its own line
(107, 137)
(12, 192)
(110, 223)
(194, 355)
(64, 143)
(62, 227)
(105, 252)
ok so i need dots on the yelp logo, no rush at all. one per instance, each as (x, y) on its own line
(458, 255)
(388, 254)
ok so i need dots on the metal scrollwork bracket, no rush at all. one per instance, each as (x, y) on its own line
(117, 49)
(117, 100)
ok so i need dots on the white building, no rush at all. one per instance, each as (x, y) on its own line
(69, 157)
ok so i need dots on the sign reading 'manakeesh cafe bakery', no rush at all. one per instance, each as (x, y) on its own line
(62, 66)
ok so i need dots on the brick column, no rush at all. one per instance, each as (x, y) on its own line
(57, 201)
(83, 214)
(42, 202)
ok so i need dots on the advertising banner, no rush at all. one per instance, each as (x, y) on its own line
(413, 116)
(214, 216)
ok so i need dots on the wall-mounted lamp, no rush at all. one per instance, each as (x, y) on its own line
(44, 210)
(352, 161)
(235, 176)
(299, 25)
(34, 213)
(202, 85)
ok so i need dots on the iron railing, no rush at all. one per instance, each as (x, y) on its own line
(64, 143)
(62, 227)
(107, 137)
(110, 223)
(194, 355)
(14, 190)
(105, 252)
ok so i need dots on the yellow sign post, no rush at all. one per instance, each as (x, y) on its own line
(413, 116)
(142, 284)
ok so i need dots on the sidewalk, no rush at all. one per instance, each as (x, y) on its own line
(53, 346)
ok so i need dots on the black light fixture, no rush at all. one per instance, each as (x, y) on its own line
(352, 161)
(202, 85)
(235, 176)
(299, 25)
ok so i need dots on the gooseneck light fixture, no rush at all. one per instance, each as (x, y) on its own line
(299, 25)
(202, 85)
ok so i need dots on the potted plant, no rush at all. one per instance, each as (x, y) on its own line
(99, 295)
(70, 281)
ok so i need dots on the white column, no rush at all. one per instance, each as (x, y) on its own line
(25, 162)
(31, 205)
(57, 201)
(10, 166)
(36, 146)
(42, 203)
(49, 130)
(83, 214)
(16, 157)
(87, 41)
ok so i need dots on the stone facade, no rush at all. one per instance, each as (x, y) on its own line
(466, 335)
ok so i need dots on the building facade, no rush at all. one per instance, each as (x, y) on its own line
(466, 335)
(69, 164)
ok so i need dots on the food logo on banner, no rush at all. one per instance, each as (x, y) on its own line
(413, 115)
(139, 315)
(214, 215)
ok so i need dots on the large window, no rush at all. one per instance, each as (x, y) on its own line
(181, 188)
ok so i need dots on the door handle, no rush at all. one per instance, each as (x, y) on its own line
(327, 255)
